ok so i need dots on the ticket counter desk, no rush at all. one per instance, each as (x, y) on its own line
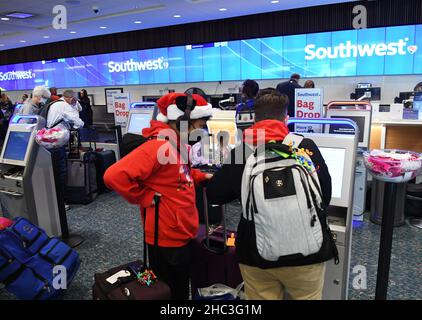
(397, 134)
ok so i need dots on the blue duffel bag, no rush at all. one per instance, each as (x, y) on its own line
(27, 259)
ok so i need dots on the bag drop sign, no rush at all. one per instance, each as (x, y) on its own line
(121, 103)
(308, 105)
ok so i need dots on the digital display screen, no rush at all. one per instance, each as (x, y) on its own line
(347, 129)
(139, 121)
(17, 145)
(363, 52)
(335, 158)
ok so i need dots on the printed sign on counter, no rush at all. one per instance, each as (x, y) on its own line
(121, 104)
(109, 92)
(308, 105)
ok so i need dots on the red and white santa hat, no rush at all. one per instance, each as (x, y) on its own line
(173, 105)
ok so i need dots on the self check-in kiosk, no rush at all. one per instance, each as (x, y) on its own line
(339, 152)
(140, 116)
(361, 113)
(27, 186)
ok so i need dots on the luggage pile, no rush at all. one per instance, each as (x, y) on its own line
(32, 264)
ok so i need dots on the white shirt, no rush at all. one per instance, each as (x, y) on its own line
(62, 110)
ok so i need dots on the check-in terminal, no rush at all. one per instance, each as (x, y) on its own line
(26, 176)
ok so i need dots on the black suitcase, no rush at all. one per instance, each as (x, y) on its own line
(81, 184)
(103, 160)
(128, 287)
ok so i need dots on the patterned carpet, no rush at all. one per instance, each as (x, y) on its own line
(113, 236)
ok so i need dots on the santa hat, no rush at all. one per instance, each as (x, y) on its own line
(173, 105)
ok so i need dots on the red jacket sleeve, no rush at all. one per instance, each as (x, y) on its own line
(125, 176)
(198, 176)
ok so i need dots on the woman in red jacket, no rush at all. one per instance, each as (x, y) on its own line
(160, 167)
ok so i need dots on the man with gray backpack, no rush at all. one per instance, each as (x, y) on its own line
(284, 186)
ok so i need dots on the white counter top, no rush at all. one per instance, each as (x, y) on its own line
(398, 122)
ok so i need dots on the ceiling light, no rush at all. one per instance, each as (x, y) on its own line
(177, 16)
(1, 44)
(46, 37)
(19, 15)
(222, 9)
(23, 41)
(72, 32)
(103, 27)
(5, 19)
(275, 1)
(138, 22)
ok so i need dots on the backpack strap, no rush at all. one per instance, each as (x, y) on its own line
(293, 140)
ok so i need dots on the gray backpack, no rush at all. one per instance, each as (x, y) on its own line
(281, 195)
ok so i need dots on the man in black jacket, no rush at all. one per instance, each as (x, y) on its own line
(288, 88)
(268, 279)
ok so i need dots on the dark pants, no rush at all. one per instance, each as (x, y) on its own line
(173, 267)
(58, 158)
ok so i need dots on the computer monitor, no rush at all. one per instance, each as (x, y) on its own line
(150, 98)
(375, 93)
(139, 120)
(405, 96)
(336, 150)
(362, 119)
(18, 142)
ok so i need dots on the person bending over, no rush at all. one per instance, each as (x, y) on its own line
(146, 172)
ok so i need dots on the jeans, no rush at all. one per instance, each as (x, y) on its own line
(58, 158)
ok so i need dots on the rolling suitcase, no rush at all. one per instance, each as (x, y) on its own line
(81, 185)
(213, 261)
(122, 283)
(103, 160)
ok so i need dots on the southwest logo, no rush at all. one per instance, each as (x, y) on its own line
(132, 65)
(349, 50)
(412, 49)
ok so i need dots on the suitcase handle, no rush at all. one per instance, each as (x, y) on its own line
(207, 242)
(156, 218)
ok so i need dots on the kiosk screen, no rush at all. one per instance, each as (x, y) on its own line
(334, 158)
(17, 145)
(139, 121)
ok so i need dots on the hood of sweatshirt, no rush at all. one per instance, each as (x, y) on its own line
(274, 130)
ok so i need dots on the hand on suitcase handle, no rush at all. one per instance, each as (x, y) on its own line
(156, 195)
(209, 176)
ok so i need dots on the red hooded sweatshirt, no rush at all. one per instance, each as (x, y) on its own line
(139, 175)
(273, 130)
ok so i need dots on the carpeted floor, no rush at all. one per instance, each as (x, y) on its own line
(113, 236)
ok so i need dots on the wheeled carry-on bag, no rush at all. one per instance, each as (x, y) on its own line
(214, 262)
(103, 160)
(128, 282)
(81, 185)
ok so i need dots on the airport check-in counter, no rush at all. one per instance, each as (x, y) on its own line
(396, 127)
(27, 186)
(339, 152)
